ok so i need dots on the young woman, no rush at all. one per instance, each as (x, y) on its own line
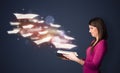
(97, 49)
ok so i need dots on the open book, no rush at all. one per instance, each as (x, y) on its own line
(66, 52)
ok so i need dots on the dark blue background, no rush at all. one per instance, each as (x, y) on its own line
(22, 56)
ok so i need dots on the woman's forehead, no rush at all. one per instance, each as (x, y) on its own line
(91, 26)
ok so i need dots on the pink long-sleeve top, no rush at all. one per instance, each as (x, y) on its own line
(93, 60)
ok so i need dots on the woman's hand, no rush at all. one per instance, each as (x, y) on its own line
(71, 56)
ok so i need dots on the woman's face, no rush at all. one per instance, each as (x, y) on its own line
(93, 30)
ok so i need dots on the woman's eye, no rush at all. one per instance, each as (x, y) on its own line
(91, 28)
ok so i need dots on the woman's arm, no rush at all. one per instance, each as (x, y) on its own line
(80, 61)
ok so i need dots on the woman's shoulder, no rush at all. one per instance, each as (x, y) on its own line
(101, 42)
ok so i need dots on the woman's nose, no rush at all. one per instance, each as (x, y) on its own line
(89, 31)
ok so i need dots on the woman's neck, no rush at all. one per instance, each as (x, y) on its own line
(95, 42)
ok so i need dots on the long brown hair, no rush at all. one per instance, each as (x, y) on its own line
(101, 27)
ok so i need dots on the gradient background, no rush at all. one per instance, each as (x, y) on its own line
(22, 56)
